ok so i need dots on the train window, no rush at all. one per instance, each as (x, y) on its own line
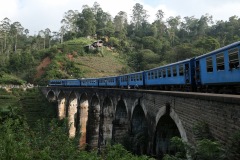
(181, 69)
(148, 75)
(164, 72)
(174, 68)
(159, 73)
(156, 74)
(169, 72)
(220, 61)
(140, 77)
(209, 64)
(137, 77)
(152, 75)
(233, 58)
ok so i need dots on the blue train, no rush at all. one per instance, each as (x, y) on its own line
(217, 71)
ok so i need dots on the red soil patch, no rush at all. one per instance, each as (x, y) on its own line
(40, 69)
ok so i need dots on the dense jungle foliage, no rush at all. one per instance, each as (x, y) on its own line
(129, 45)
(29, 130)
(140, 44)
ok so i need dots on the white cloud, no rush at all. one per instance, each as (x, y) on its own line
(8, 8)
(37, 15)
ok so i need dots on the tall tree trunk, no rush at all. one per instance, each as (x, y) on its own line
(44, 43)
(16, 45)
(5, 41)
(49, 45)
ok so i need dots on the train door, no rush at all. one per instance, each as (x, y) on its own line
(197, 73)
(187, 75)
(105, 80)
(118, 81)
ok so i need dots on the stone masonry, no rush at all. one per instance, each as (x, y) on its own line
(108, 115)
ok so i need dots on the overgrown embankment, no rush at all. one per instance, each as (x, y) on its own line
(31, 103)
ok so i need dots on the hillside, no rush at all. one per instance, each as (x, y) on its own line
(107, 64)
(70, 60)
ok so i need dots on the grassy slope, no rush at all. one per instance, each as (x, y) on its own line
(106, 64)
(7, 99)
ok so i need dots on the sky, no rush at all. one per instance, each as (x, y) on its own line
(36, 15)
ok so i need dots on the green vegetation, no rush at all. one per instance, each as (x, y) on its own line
(133, 46)
(128, 47)
(205, 148)
(29, 131)
(45, 138)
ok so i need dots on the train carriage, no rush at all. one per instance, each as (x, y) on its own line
(132, 79)
(56, 82)
(72, 82)
(108, 82)
(219, 68)
(89, 82)
(112, 81)
(123, 80)
(180, 73)
(102, 82)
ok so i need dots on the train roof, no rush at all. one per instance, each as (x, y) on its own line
(107, 77)
(85, 79)
(235, 44)
(131, 73)
(171, 64)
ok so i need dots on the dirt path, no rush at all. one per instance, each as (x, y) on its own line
(40, 69)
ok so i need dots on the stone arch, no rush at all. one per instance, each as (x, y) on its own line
(61, 105)
(106, 121)
(93, 123)
(120, 123)
(72, 114)
(84, 105)
(168, 125)
(139, 129)
(51, 95)
(136, 103)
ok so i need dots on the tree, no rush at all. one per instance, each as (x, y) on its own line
(203, 24)
(69, 21)
(26, 31)
(173, 22)
(120, 24)
(139, 15)
(47, 34)
(5, 29)
(86, 22)
(102, 18)
(42, 35)
(188, 29)
(144, 59)
(207, 44)
(152, 43)
(16, 29)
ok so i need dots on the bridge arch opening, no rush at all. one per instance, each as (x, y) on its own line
(72, 114)
(165, 130)
(61, 105)
(51, 96)
(139, 130)
(120, 123)
(83, 119)
(93, 123)
(106, 125)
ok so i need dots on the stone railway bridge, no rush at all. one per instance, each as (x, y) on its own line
(103, 115)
